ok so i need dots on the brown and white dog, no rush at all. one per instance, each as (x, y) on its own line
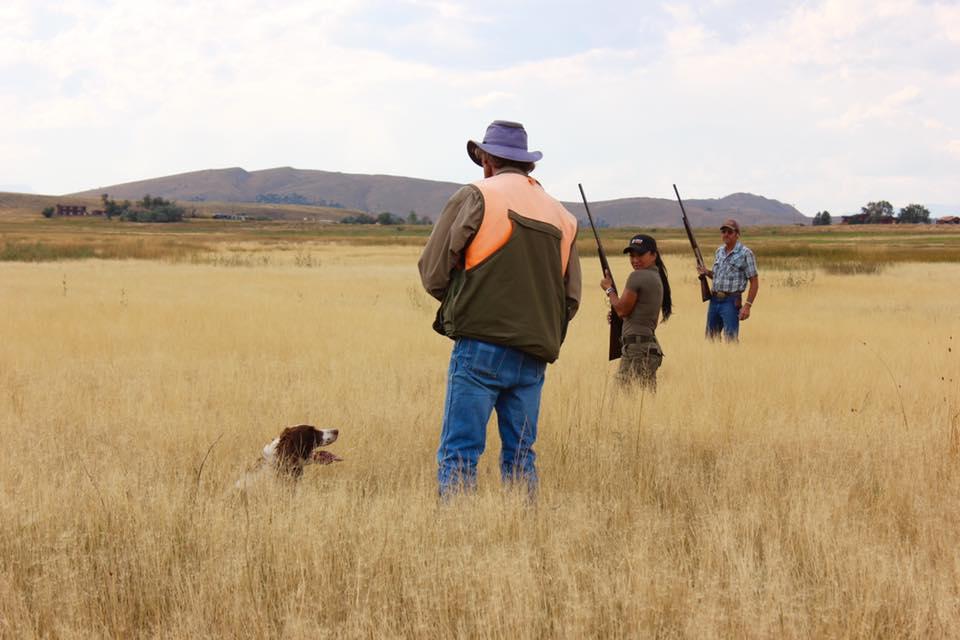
(290, 452)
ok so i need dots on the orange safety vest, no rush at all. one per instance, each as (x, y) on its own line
(523, 195)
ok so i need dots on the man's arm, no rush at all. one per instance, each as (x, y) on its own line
(754, 280)
(573, 281)
(453, 231)
(751, 296)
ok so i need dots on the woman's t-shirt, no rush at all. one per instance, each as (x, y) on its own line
(642, 321)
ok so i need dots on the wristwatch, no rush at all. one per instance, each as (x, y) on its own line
(609, 290)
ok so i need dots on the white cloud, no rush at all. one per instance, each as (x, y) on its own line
(828, 102)
(884, 108)
(490, 99)
(947, 17)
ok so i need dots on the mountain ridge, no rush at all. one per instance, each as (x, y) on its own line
(375, 193)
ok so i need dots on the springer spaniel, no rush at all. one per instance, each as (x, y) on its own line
(288, 453)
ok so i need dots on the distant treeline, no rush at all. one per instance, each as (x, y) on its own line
(879, 212)
(296, 198)
(386, 218)
(146, 210)
(600, 222)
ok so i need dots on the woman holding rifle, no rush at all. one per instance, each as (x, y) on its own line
(645, 296)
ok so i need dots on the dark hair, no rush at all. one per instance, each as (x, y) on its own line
(500, 163)
(667, 305)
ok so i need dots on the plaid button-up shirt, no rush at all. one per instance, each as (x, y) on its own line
(731, 271)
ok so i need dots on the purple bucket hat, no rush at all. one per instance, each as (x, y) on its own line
(504, 139)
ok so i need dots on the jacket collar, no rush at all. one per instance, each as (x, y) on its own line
(508, 170)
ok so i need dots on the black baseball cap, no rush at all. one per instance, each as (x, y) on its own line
(640, 244)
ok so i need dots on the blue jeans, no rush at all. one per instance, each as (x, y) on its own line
(484, 376)
(723, 315)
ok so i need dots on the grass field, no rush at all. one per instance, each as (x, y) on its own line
(789, 248)
(805, 483)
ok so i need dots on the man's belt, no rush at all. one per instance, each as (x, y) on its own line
(638, 339)
(723, 295)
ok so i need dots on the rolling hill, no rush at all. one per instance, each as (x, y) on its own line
(400, 195)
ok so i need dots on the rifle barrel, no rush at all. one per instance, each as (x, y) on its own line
(616, 322)
(704, 287)
(604, 265)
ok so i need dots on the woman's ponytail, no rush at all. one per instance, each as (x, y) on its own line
(667, 305)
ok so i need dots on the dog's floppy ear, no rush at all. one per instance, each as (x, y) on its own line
(298, 441)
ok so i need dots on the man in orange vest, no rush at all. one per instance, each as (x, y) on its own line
(502, 259)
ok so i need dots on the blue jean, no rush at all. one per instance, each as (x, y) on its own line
(723, 315)
(484, 376)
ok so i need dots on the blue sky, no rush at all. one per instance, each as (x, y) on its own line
(821, 104)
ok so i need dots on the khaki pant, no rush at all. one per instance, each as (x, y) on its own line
(639, 364)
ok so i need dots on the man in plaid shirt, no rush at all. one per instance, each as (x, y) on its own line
(733, 267)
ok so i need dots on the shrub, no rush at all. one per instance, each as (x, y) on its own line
(360, 218)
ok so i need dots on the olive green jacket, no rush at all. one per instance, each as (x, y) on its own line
(519, 296)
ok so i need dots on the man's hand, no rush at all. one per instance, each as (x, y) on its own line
(702, 270)
(744, 312)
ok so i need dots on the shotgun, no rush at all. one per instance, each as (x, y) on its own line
(704, 287)
(616, 322)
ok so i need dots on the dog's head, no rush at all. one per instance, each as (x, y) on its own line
(295, 446)
(300, 441)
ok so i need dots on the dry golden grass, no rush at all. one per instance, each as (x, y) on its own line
(802, 484)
